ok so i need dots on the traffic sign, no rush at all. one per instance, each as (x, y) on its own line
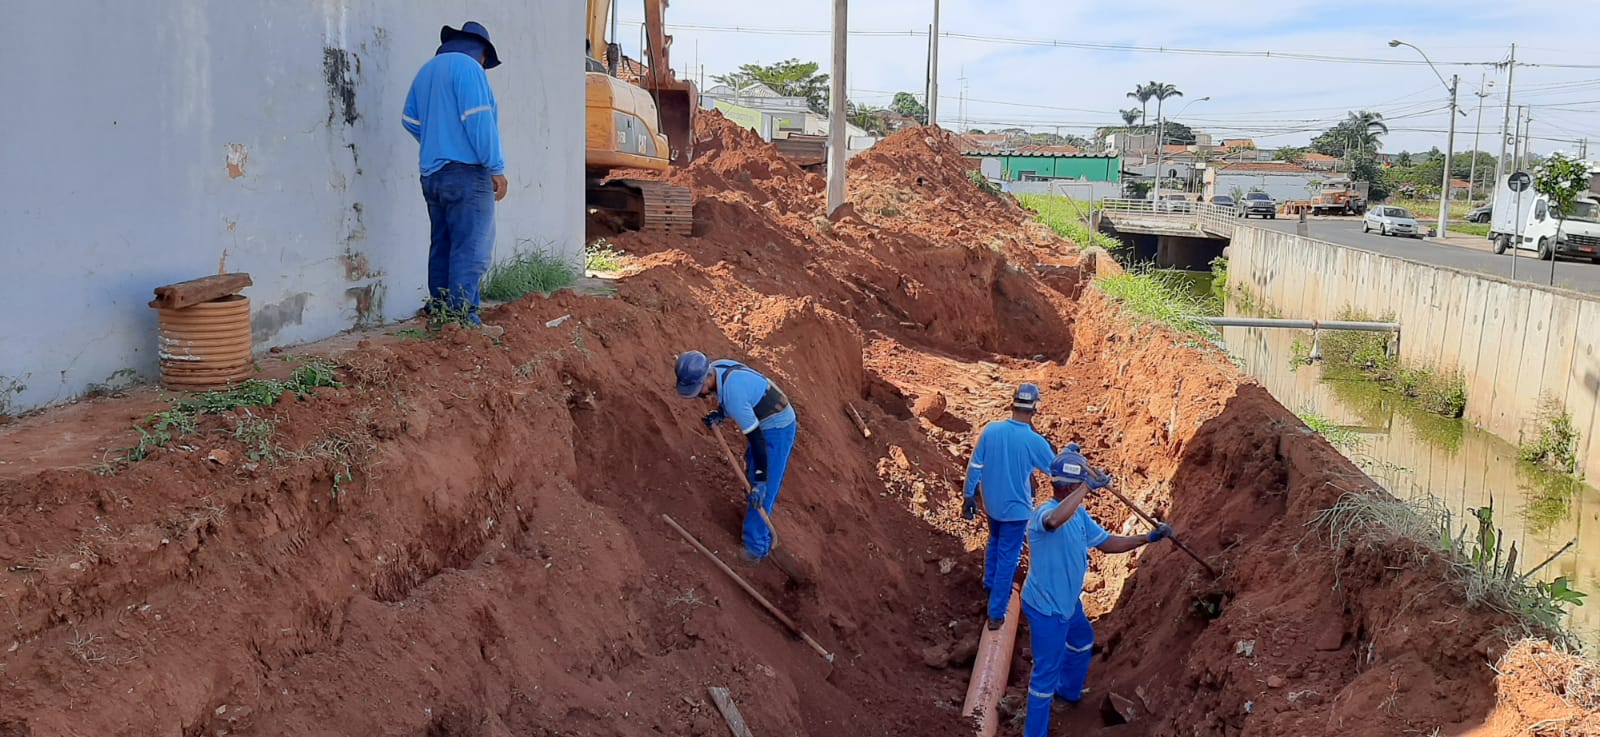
(1519, 182)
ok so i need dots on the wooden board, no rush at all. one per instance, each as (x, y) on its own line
(195, 291)
(730, 713)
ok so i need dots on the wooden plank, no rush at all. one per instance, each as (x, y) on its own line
(195, 291)
(730, 712)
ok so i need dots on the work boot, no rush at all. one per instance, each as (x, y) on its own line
(995, 624)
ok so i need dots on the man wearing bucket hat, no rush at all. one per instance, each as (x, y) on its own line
(763, 414)
(1000, 479)
(1059, 537)
(452, 113)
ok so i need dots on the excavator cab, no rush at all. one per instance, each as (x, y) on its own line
(639, 117)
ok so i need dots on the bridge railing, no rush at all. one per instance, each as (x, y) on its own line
(1199, 215)
(1216, 219)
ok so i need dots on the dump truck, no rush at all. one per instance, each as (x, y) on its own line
(1341, 196)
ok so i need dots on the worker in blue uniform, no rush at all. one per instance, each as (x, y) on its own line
(763, 413)
(1059, 537)
(1000, 478)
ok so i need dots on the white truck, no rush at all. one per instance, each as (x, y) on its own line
(1527, 222)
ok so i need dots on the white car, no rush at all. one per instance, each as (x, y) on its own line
(1391, 221)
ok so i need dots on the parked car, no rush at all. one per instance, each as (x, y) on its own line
(1257, 203)
(1480, 214)
(1175, 202)
(1391, 221)
(1223, 201)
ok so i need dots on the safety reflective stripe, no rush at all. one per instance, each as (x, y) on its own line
(1084, 649)
(475, 111)
(1038, 695)
(975, 464)
(750, 429)
(411, 120)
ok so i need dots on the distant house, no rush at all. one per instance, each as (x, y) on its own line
(1319, 162)
(1032, 165)
(763, 110)
(984, 141)
(893, 121)
(1279, 179)
(1239, 143)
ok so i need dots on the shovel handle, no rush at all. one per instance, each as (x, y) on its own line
(1153, 523)
(733, 463)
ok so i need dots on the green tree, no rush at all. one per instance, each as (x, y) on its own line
(1143, 93)
(1130, 115)
(1291, 154)
(1404, 159)
(908, 105)
(1364, 168)
(790, 78)
(1161, 91)
(866, 117)
(1562, 179)
(1359, 131)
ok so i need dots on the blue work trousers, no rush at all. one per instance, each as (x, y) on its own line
(1000, 562)
(780, 443)
(1062, 647)
(460, 201)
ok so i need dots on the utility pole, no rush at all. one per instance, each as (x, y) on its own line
(1449, 153)
(933, 70)
(838, 131)
(1527, 139)
(1516, 143)
(962, 110)
(1500, 169)
(1472, 176)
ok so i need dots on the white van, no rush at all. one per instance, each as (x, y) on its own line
(1525, 220)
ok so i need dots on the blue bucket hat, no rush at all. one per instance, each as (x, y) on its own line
(473, 30)
(691, 369)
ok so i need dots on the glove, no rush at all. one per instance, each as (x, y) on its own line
(1161, 532)
(713, 418)
(1098, 481)
(969, 509)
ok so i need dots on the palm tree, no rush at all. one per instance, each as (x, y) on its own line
(1161, 91)
(1130, 115)
(1143, 93)
(1363, 130)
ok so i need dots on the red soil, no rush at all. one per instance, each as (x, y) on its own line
(466, 538)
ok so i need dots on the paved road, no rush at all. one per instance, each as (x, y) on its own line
(1581, 276)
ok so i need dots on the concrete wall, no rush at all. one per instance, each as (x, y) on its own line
(1514, 342)
(1078, 190)
(147, 143)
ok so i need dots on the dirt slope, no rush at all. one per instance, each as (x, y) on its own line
(466, 538)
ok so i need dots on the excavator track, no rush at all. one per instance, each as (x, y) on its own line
(667, 210)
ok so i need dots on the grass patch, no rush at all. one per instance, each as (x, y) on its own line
(1553, 443)
(982, 183)
(1488, 572)
(163, 427)
(527, 272)
(1343, 438)
(1480, 230)
(1066, 216)
(1427, 210)
(604, 257)
(1162, 297)
(1367, 354)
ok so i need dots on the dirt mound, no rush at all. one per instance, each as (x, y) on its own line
(466, 537)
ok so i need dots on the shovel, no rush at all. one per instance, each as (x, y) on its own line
(1155, 523)
(779, 558)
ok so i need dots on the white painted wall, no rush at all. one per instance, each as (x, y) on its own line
(1280, 186)
(120, 121)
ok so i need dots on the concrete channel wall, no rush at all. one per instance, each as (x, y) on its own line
(147, 143)
(1515, 343)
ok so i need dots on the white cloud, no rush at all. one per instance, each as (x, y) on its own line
(1274, 100)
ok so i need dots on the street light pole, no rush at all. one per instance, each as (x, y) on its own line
(1450, 143)
(1161, 143)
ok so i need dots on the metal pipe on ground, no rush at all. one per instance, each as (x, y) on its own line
(991, 669)
(1272, 322)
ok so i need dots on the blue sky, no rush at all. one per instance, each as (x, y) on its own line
(1277, 101)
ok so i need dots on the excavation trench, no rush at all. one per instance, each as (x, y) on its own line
(466, 538)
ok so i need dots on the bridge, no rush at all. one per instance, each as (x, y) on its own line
(1178, 235)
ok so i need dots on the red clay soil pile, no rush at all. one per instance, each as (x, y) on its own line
(465, 538)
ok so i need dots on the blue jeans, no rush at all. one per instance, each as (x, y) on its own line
(1000, 562)
(1062, 648)
(460, 201)
(780, 443)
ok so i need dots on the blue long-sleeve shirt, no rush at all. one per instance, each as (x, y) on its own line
(451, 111)
(1007, 454)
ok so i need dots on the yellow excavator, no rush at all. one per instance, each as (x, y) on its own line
(640, 116)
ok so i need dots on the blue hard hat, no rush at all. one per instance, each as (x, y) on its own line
(475, 31)
(1026, 397)
(1069, 467)
(692, 368)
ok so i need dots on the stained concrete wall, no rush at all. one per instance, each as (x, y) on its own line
(147, 143)
(1515, 343)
